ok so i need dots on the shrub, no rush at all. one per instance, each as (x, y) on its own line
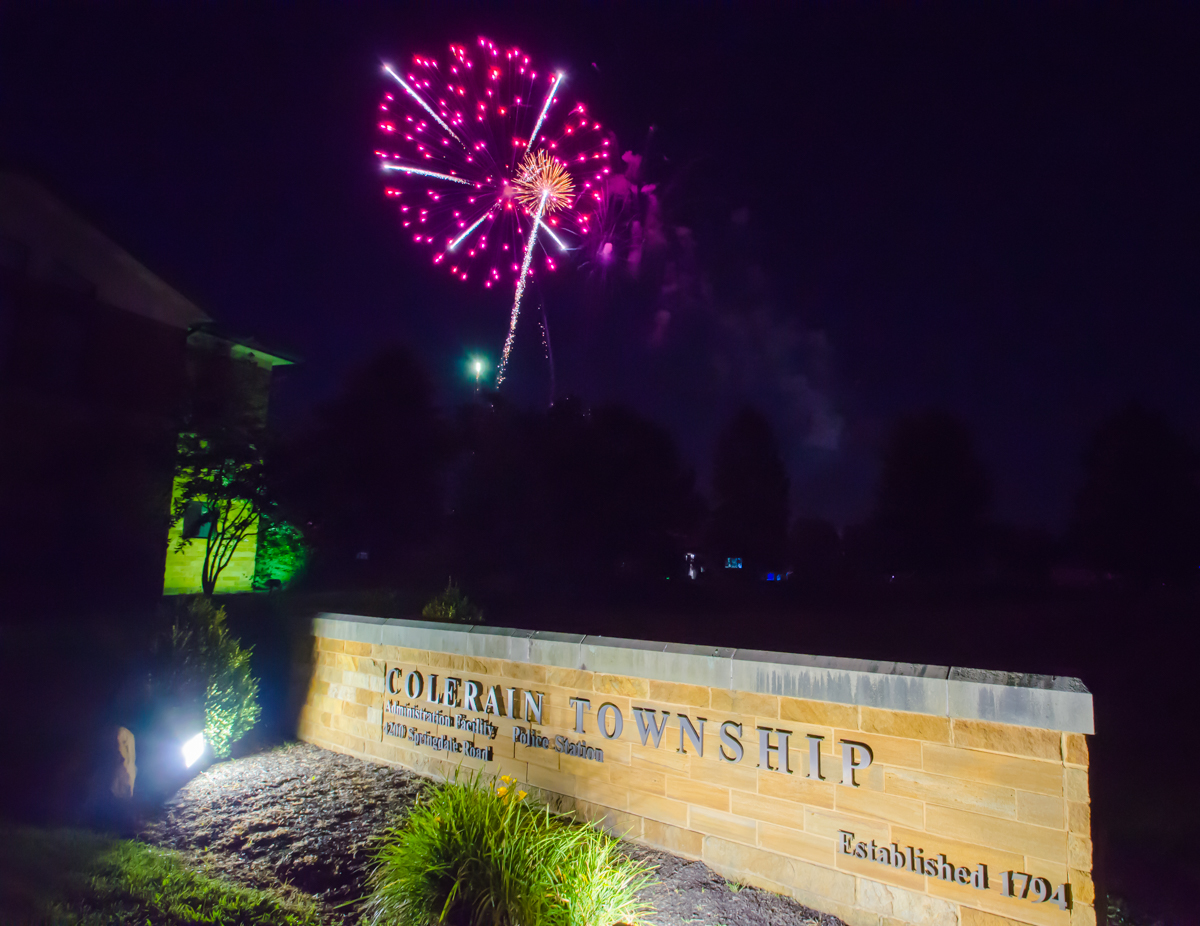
(476, 855)
(452, 606)
(206, 664)
(281, 556)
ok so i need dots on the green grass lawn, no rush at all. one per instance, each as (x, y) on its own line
(78, 878)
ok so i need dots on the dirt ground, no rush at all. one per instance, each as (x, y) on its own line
(303, 819)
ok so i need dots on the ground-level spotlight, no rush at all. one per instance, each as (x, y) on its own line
(193, 749)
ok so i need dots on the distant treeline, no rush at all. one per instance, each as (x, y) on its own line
(390, 490)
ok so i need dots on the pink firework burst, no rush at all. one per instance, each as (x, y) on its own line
(463, 142)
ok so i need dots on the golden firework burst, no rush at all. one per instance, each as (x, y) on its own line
(542, 175)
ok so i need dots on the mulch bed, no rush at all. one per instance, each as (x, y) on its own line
(305, 820)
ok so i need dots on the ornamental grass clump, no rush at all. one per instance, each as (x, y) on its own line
(481, 854)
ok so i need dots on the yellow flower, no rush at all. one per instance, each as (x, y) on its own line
(521, 795)
(501, 791)
(507, 779)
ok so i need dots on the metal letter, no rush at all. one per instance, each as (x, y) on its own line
(602, 719)
(414, 684)
(847, 839)
(392, 689)
(727, 739)
(471, 698)
(581, 705)
(432, 695)
(855, 758)
(654, 728)
(533, 707)
(765, 749)
(696, 736)
(814, 757)
(451, 696)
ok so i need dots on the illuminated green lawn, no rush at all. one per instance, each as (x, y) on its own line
(69, 877)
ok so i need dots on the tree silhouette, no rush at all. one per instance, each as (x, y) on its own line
(814, 548)
(751, 489)
(626, 495)
(1139, 510)
(933, 497)
(222, 487)
(570, 498)
(366, 482)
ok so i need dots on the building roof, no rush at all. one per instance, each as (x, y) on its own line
(211, 333)
(58, 240)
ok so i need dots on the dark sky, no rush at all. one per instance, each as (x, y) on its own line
(872, 211)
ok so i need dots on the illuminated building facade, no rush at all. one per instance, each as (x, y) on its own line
(100, 359)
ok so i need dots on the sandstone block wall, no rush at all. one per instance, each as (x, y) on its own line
(958, 769)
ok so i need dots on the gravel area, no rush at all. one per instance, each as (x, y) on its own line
(303, 819)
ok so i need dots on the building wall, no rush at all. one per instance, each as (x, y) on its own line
(983, 768)
(88, 396)
(183, 570)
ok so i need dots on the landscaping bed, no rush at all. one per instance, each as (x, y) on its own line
(302, 820)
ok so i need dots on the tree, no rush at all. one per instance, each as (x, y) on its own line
(814, 547)
(623, 497)
(1139, 510)
(571, 497)
(932, 504)
(365, 483)
(221, 493)
(751, 488)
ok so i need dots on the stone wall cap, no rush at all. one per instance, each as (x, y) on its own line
(692, 649)
(1018, 680)
(481, 628)
(625, 643)
(1051, 702)
(551, 636)
(842, 663)
(366, 619)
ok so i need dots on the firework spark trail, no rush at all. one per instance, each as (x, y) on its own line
(516, 309)
(557, 240)
(474, 225)
(425, 106)
(545, 109)
(426, 173)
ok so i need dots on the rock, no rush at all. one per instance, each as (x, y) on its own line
(126, 773)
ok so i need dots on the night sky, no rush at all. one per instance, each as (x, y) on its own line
(871, 212)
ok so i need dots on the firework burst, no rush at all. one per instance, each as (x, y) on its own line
(485, 159)
(543, 177)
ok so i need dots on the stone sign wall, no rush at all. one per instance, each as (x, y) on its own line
(879, 792)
